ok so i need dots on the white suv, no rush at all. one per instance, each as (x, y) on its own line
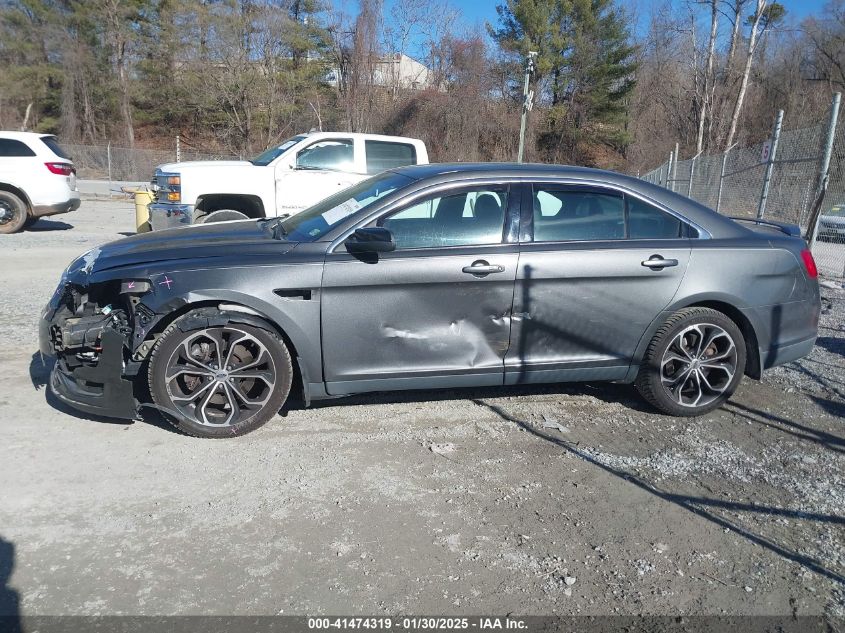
(37, 178)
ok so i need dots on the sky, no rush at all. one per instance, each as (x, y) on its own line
(477, 12)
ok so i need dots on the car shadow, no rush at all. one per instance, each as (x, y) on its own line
(703, 507)
(42, 226)
(10, 601)
(790, 427)
(832, 344)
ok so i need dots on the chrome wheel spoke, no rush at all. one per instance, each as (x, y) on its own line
(265, 376)
(725, 355)
(216, 337)
(232, 344)
(191, 397)
(187, 355)
(263, 358)
(202, 407)
(696, 378)
(181, 370)
(232, 401)
(249, 402)
(681, 350)
(678, 378)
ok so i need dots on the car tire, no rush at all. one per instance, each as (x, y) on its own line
(196, 391)
(693, 364)
(13, 213)
(222, 215)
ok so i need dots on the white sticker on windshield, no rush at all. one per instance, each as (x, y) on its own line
(341, 211)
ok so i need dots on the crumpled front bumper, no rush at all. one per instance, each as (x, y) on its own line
(98, 389)
(164, 215)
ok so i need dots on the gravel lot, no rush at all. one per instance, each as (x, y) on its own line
(569, 499)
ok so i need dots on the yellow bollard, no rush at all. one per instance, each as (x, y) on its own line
(143, 197)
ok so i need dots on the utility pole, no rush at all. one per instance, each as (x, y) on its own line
(527, 99)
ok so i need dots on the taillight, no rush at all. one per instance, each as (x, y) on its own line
(809, 264)
(62, 169)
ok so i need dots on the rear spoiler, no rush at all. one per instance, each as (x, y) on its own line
(792, 230)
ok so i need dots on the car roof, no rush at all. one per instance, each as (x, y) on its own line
(362, 135)
(717, 225)
(23, 136)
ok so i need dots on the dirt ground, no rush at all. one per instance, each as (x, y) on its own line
(565, 499)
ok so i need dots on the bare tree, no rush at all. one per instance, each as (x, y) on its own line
(757, 19)
(707, 96)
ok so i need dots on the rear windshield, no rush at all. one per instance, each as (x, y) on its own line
(53, 143)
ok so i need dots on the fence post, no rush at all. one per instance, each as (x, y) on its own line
(675, 166)
(108, 160)
(722, 176)
(691, 174)
(178, 148)
(672, 159)
(770, 165)
(824, 164)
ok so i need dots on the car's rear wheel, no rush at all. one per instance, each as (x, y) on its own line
(693, 364)
(219, 381)
(13, 213)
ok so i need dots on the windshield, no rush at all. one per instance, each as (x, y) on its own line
(316, 221)
(269, 155)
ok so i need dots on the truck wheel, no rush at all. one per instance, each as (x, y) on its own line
(219, 381)
(222, 215)
(13, 213)
(693, 364)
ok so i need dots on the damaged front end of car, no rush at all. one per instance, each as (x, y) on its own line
(90, 328)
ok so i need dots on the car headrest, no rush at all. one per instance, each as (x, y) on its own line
(487, 209)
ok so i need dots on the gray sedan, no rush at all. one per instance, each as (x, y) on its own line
(430, 277)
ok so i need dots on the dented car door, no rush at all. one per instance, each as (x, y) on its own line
(434, 312)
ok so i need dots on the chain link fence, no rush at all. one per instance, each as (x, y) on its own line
(780, 179)
(103, 162)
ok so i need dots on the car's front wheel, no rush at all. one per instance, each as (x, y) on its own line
(219, 381)
(693, 363)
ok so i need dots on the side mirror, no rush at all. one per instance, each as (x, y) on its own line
(370, 240)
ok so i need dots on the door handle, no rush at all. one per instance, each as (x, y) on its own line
(656, 262)
(482, 268)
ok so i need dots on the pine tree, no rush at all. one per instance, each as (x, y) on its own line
(585, 69)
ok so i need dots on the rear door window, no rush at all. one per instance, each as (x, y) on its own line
(13, 148)
(384, 155)
(562, 214)
(53, 143)
(648, 222)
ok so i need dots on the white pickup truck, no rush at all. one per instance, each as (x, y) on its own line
(283, 180)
